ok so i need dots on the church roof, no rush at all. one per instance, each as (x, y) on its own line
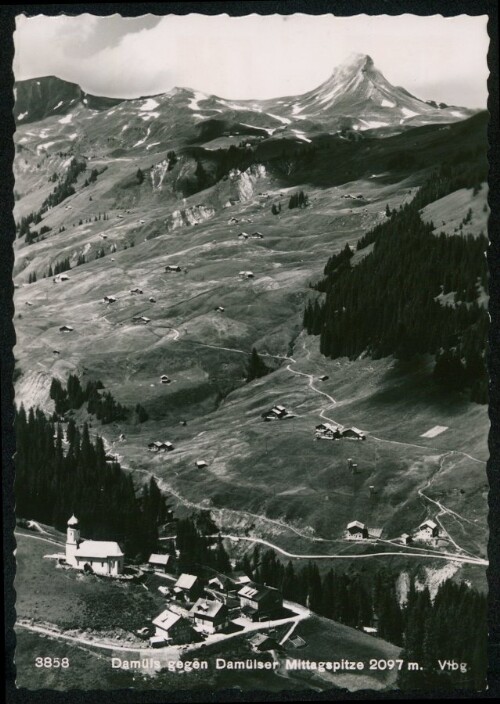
(98, 549)
(73, 521)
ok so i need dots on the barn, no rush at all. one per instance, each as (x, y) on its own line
(428, 529)
(353, 434)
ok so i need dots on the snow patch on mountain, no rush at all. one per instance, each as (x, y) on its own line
(301, 135)
(22, 115)
(58, 105)
(193, 103)
(150, 116)
(408, 113)
(284, 120)
(141, 141)
(388, 103)
(149, 104)
(66, 119)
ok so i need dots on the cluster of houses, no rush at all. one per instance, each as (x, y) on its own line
(427, 531)
(277, 413)
(159, 446)
(199, 608)
(330, 431)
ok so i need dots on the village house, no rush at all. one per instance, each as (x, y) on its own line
(201, 464)
(295, 642)
(152, 300)
(246, 274)
(323, 377)
(188, 586)
(219, 309)
(256, 236)
(172, 267)
(159, 562)
(172, 629)
(101, 556)
(164, 379)
(353, 434)
(136, 290)
(356, 531)
(141, 319)
(259, 602)
(428, 529)
(243, 236)
(158, 446)
(65, 328)
(209, 616)
(327, 431)
(276, 413)
(406, 539)
(109, 299)
(60, 278)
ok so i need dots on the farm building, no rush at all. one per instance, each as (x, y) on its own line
(136, 290)
(356, 531)
(165, 379)
(406, 539)
(256, 236)
(261, 642)
(65, 328)
(428, 529)
(159, 562)
(353, 434)
(159, 446)
(172, 267)
(201, 464)
(323, 377)
(60, 278)
(246, 274)
(259, 602)
(152, 300)
(173, 628)
(101, 556)
(295, 642)
(240, 578)
(188, 586)
(328, 431)
(243, 236)
(141, 319)
(276, 413)
(109, 299)
(219, 309)
(232, 221)
(209, 616)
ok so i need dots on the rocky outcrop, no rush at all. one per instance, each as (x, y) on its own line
(243, 183)
(189, 216)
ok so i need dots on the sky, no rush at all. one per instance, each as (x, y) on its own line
(435, 58)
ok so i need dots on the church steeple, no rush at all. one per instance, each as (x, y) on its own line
(72, 539)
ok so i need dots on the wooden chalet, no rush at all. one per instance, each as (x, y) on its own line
(259, 602)
(188, 587)
(173, 628)
(356, 531)
(209, 615)
(428, 529)
(353, 434)
(159, 562)
(159, 446)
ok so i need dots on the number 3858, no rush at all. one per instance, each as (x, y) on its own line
(52, 662)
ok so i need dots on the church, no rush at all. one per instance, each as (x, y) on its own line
(102, 556)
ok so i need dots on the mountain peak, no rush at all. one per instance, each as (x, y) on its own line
(357, 61)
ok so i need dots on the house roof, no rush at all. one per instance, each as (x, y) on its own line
(157, 559)
(429, 524)
(201, 463)
(206, 608)
(240, 577)
(259, 639)
(254, 591)
(166, 620)
(297, 641)
(98, 549)
(356, 524)
(186, 581)
(354, 430)
(328, 426)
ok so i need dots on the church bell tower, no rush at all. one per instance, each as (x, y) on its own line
(72, 540)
